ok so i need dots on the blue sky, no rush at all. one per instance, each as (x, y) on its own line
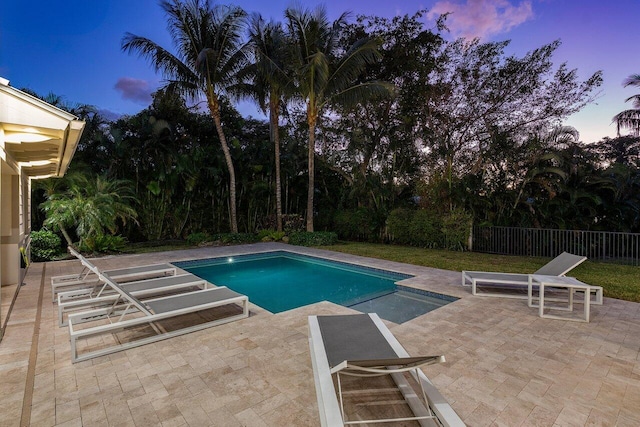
(72, 48)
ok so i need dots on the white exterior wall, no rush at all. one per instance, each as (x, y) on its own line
(15, 220)
(11, 230)
(37, 140)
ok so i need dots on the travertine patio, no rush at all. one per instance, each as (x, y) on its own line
(505, 365)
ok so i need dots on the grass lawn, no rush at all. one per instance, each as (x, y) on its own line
(618, 281)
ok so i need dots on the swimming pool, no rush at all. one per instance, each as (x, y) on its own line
(280, 281)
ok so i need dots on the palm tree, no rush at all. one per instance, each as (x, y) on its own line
(630, 118)
(270, 84)
(325, 75)
(208, 39)
(62, 217)
(93, 206)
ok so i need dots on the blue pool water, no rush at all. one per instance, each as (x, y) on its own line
(281, 281)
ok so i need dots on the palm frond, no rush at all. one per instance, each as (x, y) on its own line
(628, 119)
(356, 94)
(632, 80)
(635, 101)
(354, 62)
(161, 59)
(317, 72)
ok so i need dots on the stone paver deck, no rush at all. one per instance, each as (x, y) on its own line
(505, 365)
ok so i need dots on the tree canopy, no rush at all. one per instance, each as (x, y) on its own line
(368, 120)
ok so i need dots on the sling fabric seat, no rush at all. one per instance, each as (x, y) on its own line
(129, 313)
(361, 345)
(87, 278)
(84, 299)
(559, 266)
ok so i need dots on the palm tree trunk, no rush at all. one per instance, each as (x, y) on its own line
(215, 114)
(273, 115)
(65, 234)
(312, 151)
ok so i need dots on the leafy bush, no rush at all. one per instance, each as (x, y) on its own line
(45, 245)
(456, 227)
(195, 239)
(293, 222)
(290, 222)
(357, 224)
(398, 224)
(103, 243)
(426, 229)
(317, 238)
(235, 238)
(415, 227)
(270, 235)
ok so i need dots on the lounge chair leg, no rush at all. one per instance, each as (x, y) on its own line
(424, 394)
(158, 328)
(341, 400)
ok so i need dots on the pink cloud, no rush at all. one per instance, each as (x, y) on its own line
(482, 18)
(134, 89)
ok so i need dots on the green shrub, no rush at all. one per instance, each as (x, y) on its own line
(45, 245)
(103, 243)
(235, 238)
(195, 239)
(293, 222)
(415, 227)
(357, 224)
(425, 229)
(317, 238)
(265, 234)
(290, 223)
(456, 227)
(270, 235)
(398, 224)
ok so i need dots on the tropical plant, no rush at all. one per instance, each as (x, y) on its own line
(318, 238)
(94, 207)
(210, 52)
(327, 75)
(630, 119)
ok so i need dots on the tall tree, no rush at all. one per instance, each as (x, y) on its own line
(480, 93)
(327, 75)
(378, 145)
(630, 119)
(210, 51)
(270, 84)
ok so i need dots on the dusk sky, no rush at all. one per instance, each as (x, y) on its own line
(72, 48)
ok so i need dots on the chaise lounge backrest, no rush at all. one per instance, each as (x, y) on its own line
(561, 265)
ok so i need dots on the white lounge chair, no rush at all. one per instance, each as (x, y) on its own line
(83, 299)
(361, 345)
(129, 313)
(86, 278)
(559, 266)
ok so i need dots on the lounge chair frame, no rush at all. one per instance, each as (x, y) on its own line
(87, 278)
(129, 304)
(73, 301)
(432, 408)
(149, 312)
(559, 266)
